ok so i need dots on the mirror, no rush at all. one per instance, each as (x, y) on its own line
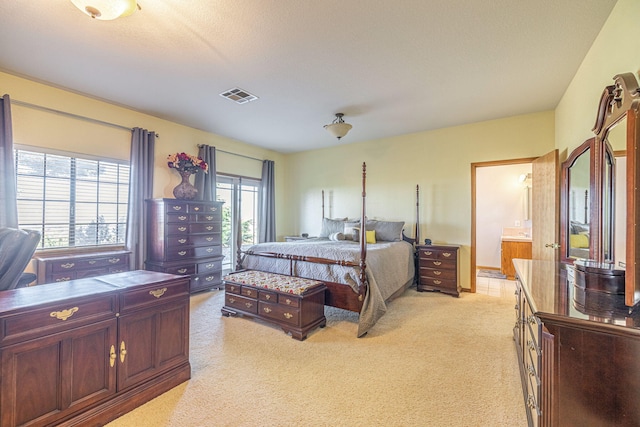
(587, 203)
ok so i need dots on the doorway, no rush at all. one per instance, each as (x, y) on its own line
(506, 211)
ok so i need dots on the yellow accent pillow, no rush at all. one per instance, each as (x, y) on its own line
(371, 236)
(578, 241)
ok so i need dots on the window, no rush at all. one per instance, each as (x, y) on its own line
(240, 197)
(72, 200)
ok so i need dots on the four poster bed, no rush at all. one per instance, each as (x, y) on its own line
(360, 275)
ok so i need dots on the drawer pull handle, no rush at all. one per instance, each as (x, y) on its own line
(428, 253)
(232, 288)
(288, 315)
(437, 262)
(532, 319)
(63, 279)
(248, 292)
(232, 300)
(288, 301)
(209, 266)
(437, 272)
(210, 217)
(197, 208)
(531, 345)
(112, 356)
(64, 314)
(182, 217)
(182, 240)
(437, 282)
(209, 239)
(123, 352)
(267, 310)
(209, 228)
(114, 260)
(182, 228)
(182, 270)
(531, 402)
(209, 250)
(209, 278)
(517, 307)
(213, 209)
(177, 208)
(158, 292)
(248, 304)
(446, 254)
(182, 253)
(92, 262)
(267, 297)
(67, 265)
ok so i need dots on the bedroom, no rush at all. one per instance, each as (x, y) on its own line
(438, 159)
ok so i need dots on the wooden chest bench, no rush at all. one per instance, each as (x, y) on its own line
(293, 303)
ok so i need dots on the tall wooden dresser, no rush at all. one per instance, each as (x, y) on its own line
(439, 268)
(185, 237)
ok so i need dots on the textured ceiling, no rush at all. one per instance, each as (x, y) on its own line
(393, 67)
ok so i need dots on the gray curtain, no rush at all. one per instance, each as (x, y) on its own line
(8, 205)
(140, 189)
(267, 222)
(206, 182)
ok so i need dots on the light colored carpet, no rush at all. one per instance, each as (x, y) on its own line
(432, 360)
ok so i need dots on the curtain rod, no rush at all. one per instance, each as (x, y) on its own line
(73, 116)
(234, 154)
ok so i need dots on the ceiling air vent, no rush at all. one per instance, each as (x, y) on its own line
(238, 95)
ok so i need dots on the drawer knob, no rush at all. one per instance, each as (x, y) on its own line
(232, 288)
(182, 253)
(114, 260)
(123, 352)
(531, 345)
(446, 254)
(64, 314)
(197, 208)
(209, 228)
(63, 279)
(182, 240)
(182, 217)
(209, 250)
(209, 217)
(209, 278)
(532, 319)
(182, 270)
(437, 282)
(267, 297)
(288, 301)
(437, 262)
(67, 265)
(288, 315)
(112, 356)
(92, 262)
(158, 292)
(213, 209)
(531, 402)
(209, 266)
(248, 304)
(437, 272)
(209, 239)
(267, 310)
(232, 300)
(428, 253)
(177, 208)
(531, 370)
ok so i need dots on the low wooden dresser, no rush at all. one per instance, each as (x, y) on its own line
(439, 268)
(62, 268)
(185, 237)
(293, 303)
(87, 351)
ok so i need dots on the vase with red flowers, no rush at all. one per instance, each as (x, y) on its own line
(186, 165)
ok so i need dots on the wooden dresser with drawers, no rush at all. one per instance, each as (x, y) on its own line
(185, 237)
(439, 268)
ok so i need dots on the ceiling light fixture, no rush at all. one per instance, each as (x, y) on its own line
(106, 10)
(338, 128)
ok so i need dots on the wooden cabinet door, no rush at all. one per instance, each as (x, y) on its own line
(46, 379)
(155, 339)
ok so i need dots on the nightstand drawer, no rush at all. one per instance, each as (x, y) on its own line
(438, 273)
(438, 264)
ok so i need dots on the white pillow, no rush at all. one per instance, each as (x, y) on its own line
(336, 236)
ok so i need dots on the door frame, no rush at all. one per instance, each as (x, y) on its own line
(474, 167)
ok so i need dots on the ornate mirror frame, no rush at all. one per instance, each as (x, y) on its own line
(618, 102)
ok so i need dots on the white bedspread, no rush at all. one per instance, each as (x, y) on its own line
(390, 266)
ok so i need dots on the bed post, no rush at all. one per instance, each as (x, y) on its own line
(417, 214)
(237, 219)
(323, 205)
(363, 238)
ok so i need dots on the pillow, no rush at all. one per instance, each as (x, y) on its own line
(330, 226)
(336, 236)
(578, 241)
(578, 227)
(349, 228)
(389, 231)
(371, 235)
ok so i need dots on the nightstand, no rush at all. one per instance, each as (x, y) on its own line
(439, 268)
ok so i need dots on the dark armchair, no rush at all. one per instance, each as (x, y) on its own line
(16, 249)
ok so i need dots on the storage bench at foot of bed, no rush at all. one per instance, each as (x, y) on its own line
(293, 303)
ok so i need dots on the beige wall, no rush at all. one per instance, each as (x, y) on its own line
(44, 129)
(438, 161)
(614, 51)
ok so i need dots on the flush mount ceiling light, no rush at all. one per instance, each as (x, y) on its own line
(338, 128)
(106, 10)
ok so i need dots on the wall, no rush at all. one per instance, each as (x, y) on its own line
(500, 202)
(438, 161)
(614, 51)
(44, 129)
